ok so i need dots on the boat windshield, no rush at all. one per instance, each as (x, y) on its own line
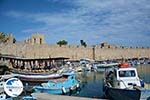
(129, 73)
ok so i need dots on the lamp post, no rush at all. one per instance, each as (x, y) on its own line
(93, 52)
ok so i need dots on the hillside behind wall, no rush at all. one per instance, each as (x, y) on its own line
(72, 52)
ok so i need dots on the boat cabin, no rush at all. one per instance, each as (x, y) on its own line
(125, 78)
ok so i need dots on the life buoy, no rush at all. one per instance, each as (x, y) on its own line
(124, 65)
(78, 85)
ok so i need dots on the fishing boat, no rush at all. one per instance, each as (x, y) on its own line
(123, 83)
(33, 78)
(67, 83)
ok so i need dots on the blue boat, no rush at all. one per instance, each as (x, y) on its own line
(29, 98)
(66, 84)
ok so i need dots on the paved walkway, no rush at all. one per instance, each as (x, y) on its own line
(44, 96)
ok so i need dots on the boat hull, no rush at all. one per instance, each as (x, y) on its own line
(37, 78)
(50, 91)
(62, 86)
(122, 94)
(58, 91)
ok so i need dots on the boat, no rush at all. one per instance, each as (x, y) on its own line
(3, 78)
(100, 67)
(123, 83)
(67, 83)
(10, 87)
(33, 78)
(28, 98)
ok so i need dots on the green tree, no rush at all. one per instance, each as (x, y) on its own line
(62, 42)
(3, 37)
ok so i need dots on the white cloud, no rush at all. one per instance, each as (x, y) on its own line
(92, 18)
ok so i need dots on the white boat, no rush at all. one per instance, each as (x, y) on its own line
(124, 84)
(7, 87)
(100, 67)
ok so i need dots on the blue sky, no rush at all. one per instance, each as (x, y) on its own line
(121, 22)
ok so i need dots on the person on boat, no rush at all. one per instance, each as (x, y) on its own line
(109, 77)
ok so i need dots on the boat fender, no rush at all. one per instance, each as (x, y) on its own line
(78, 85)
(72, 88)
(64, 90)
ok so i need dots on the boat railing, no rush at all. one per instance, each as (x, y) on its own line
(107, 82)
(123, 83)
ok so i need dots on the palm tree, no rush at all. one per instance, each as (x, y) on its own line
(5, 38)
(2, 37)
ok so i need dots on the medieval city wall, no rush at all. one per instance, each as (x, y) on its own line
(72, 52)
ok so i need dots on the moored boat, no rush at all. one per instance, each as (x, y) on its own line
(63, 85)
(37, 77)
(123, 83)
(100, 67)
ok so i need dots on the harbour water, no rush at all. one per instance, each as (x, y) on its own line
(92, 81)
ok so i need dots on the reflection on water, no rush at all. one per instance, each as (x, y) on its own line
(92, 81)
(91, 84)
(144, 72)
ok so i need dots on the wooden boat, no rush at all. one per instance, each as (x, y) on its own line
(123, 83)
(37, 77)
(63, 85)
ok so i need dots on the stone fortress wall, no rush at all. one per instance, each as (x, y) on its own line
(35, 47)
(72, 52)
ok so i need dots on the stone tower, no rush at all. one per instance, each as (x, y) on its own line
(36, 39)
